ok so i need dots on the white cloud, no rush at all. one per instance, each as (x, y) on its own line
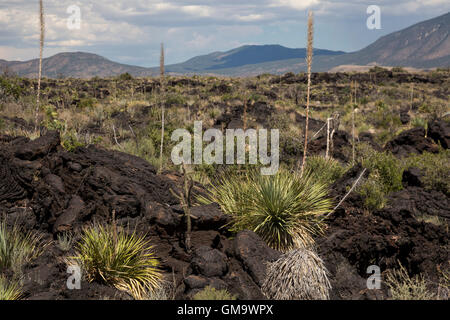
(129, 28)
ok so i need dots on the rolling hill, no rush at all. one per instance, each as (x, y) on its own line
(423, 45)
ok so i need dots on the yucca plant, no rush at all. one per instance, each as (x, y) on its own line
(284, 209)
(9, 290)
(326, 170)
(17, 247)
(299, 274)
(118, 258)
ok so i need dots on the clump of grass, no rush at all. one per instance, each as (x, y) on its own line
(9, 290)
(17, 248)
(297, 275)
(435, 168)
(387, 168)
(325, 170)
(123, 260)
(284, 209)
(385, 176)
(65, 241)
(372, 193)
(404, 287)
(210, 293)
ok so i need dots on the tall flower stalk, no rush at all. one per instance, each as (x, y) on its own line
(41, 50)
(161, 71)
(309, 57)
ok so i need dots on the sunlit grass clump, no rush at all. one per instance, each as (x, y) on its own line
(327, 170)
(123, 260)
(210, 293)
(9, 290)
(404, 287)
(284, 209)
(17, 247)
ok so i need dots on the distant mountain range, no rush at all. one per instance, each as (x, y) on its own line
(423, 45)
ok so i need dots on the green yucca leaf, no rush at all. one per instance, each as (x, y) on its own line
(284, 209)
(18, 247)
(9, 290)
(123, 260)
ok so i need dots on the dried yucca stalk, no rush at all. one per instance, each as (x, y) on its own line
(299, 274)
(309, 56)
(161, 70)
(41, 49)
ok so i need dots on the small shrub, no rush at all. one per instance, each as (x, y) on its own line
(386, 168)
(210, 293)
(325, 170)
(125, 76)
(435, 167)
(297, 275)
(404, 287)
(17, 248)
(119, 259)
(87, 103)
(283, 209)
(65, 241)
(9, 290)
(70, 141)
(373, 196)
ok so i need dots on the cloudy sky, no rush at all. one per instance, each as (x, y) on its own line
(131, 31)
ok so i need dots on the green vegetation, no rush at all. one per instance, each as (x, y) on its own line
(17, 248)
(120, 259)
(325, 170)
(284, 209)
(210, 293)
(9, 290)
(435, 168)
(404, 287)
(385, 176)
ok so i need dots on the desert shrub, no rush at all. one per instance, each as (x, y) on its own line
(419, 122)
(51, 120)
(325, 170)
(175, 99)
(398, 69)
(435, 167)
(9, 88)
(70, 141)
(210, 293)
(433, 110)
(386, 169)
(17, 247)
(384, 118)
(123, 260)
(404, 287)
(87, 103)
(9, 290)
(373, 196)
(125, 76)
(297, 275)
(283, 209)
(385, 176)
